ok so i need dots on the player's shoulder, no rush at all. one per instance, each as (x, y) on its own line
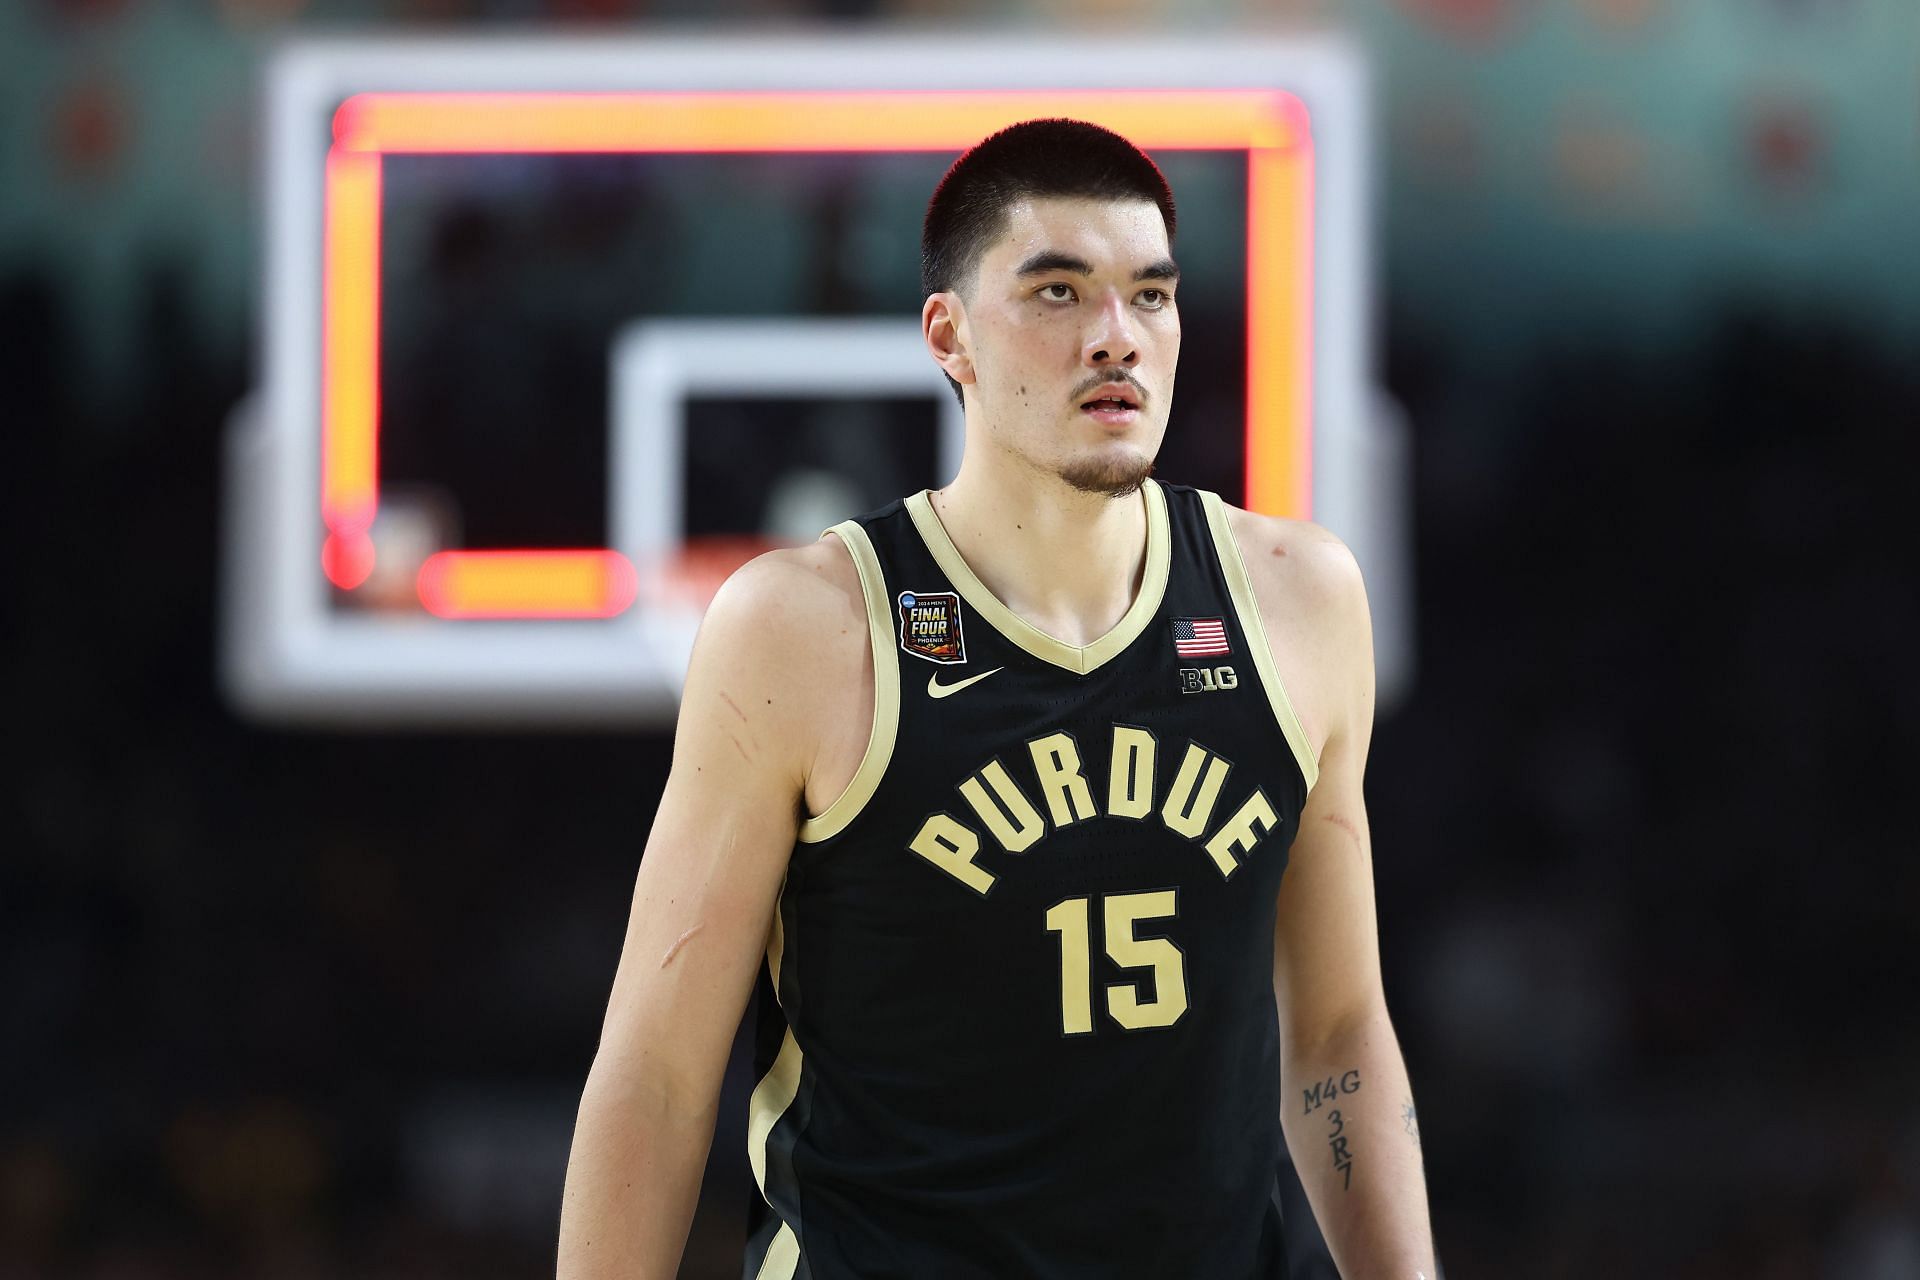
(792, 600)
(1313, 607)
(1295, 563)
(784, 644)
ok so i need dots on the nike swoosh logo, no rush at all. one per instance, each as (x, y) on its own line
(937, 690)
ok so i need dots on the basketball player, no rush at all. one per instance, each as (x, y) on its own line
(991, 790)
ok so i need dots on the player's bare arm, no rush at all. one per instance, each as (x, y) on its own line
(1347, 1107)
(773, 693)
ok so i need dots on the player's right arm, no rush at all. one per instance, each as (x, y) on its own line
(775, 647)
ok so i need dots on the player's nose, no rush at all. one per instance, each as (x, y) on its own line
(1110, 338)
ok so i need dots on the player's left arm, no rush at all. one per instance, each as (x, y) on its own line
(1346, 1104)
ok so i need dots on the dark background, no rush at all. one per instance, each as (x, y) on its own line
(280, 1003)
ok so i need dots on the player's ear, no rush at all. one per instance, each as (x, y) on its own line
(943, 322)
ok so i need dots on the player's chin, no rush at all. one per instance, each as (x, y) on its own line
(1116, 471)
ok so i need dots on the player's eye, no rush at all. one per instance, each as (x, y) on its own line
(1156, 298)
(1057, 285)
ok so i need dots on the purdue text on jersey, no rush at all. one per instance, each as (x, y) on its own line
(1012, 819)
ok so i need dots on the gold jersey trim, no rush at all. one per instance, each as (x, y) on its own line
(783, 1257)
(1240, 587)
(771, 1098)
(886, 692)
(1079, 659)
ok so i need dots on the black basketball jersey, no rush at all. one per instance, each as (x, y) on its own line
(1017, 1017)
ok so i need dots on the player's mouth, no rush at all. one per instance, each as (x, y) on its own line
(1118, 409)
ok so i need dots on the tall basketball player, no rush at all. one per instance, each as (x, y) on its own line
(992, 791)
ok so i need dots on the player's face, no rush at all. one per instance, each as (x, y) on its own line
(1076, 303)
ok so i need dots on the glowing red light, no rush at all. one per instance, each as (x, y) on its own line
(347, 559)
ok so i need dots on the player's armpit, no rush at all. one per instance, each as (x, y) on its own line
(772, 648)
(775, 643)
(1326, 946)
(1326, 958)
(1313, 606)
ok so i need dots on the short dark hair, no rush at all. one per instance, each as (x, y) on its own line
(1033, 159)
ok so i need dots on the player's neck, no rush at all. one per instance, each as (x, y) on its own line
(1068, 562)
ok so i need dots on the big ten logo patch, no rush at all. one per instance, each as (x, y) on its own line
(930, 626)
(1207, 679)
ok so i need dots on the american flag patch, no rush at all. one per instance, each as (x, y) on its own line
(1200, 637)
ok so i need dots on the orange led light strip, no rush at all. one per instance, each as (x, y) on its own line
(350, 355)
(527, 584)
(1270, 125)
(1280, 334)
(440, 123)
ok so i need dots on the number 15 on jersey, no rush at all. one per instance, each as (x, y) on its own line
(1122, 912)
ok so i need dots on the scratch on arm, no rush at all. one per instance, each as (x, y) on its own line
(1346, 825)
(679, 942)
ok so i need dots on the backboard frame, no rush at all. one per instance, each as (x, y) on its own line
(289, 655)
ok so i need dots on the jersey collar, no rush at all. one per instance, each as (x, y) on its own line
(1079, 659)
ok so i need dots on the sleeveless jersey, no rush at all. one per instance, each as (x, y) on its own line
(1017, 1018)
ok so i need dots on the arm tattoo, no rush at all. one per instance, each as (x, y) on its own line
(1411, 1120)
(1322, 1093)
(1342, 1158)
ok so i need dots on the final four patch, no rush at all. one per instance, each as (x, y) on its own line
(930, 626)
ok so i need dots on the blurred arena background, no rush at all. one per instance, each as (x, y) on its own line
(298, 1000)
